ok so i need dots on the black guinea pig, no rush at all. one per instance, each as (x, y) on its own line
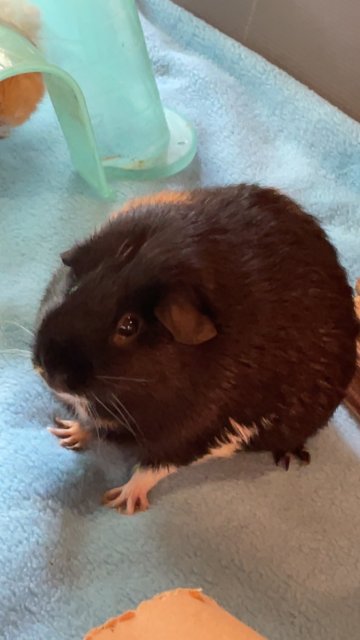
(204, 322)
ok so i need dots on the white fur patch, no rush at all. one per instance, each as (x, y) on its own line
(266, 423)
(234, 441)
(245, 433)
(80, 405)
(225, 449)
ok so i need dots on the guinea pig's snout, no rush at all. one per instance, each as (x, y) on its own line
(64, 366)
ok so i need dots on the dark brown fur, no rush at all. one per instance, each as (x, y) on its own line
(262, 271)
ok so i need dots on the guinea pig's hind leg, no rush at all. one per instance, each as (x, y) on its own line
(71, 434)
(133, 496)
(283, 459)
(302, 454)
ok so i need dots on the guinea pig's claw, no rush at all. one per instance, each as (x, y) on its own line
(303, 455)
(284, 459)
(70, 434)
(126, 499)
(133, 496)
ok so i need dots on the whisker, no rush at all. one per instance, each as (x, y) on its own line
(23, 342)
(117, 417)
(122, 378)
(94, 415)
(125, 421)
(130, 420)
(123, 407)
(95, 419)
(20, 326)
(128, 415)
(17, 352)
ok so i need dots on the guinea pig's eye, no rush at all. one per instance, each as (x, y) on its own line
(127, 327)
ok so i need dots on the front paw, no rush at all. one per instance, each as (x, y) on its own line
(133, 496)
(71, 434)
(128, 498)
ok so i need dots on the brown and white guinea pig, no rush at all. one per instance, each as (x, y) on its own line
(21, 94)
(204, 322)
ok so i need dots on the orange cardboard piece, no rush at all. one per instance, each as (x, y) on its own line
(182, 614)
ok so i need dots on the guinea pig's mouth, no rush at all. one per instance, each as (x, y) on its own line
(39, 370)
(59, 384)
(93, 410)
(63, 365)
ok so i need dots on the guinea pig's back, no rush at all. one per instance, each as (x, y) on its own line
(283, 301)
(279, 255)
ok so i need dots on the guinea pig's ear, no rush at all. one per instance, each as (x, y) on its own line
(68, 256)
(185, 322)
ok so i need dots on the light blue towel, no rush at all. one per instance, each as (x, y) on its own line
(279, 550)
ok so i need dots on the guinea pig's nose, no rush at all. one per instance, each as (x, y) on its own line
(71, 381)
(67, 369)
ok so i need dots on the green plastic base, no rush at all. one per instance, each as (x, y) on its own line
(178, 155)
